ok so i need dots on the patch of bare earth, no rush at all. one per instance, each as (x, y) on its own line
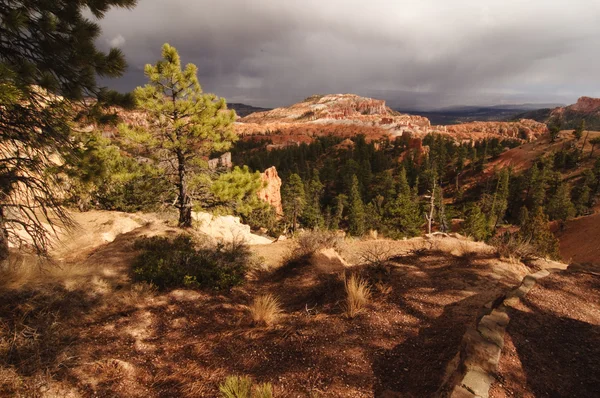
(552, 344)
(104, 336)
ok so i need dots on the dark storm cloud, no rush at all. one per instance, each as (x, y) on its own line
(424, 53)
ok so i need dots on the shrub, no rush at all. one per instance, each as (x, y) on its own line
(312, 241)
(265, 309)
(513, 247)
(242, 387)
(179, 262)
(358, 294)
(308, 243)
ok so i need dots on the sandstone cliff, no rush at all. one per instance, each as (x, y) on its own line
(346, 115)
(585, 109)
(271, 193)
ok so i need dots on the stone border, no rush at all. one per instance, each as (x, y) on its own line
(476, 364)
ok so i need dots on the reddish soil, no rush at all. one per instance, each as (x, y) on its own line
(579, 240)
(552, 345)
(106, 337)
(522, 157)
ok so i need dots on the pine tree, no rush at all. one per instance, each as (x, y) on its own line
(582, 201)
(184, 123)
(500, 200)
(293, 199)
(402, 215)
(535, 229)
(476, 224)
(48, 60)
(340, 204)
(594, 142)
(356, 211)
(312, 215)
(560, 206)
(237, 191)
(578, 132)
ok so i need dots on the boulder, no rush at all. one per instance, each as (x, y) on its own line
(227, 229)
(328, 260)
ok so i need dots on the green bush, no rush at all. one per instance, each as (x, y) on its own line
(181, 262)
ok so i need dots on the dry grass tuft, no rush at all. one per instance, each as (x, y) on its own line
(242, 387)
(236, 387)
(265, 309)
(358, 294)
(264, 390)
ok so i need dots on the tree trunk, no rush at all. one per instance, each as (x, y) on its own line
(431, 209)
(585, 141)
(3, 238)
(592, 153)
(184, 203)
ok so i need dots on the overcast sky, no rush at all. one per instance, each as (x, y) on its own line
(414, 54)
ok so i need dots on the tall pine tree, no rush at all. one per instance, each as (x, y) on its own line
(184, 124)
(293, 199)
(356, 210)
(48, 60)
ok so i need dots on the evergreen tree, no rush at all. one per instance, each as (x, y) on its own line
(312, 216)
(336, 219)
(442, 220)
(184, 124)
(293, 199)
(476, 224)
(582, 201)
(356, 211)
(48, 60)
(594, 142)
(560, 206)
(237, 192)
(578, 132)
(554, 130)
(402, 216)
(536, 230)
(500, 200)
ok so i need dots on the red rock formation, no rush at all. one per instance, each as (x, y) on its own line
(586, 105)
(523, 130)
(271, 193)
(343, 115)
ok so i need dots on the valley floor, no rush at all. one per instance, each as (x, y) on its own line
(84, 329)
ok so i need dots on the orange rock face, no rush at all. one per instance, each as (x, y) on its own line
(346, 115)
(271, 193)
(523, 130)
(343, 115)
(586, 105)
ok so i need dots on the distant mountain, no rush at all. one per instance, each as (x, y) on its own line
(243, 110)
(585, 109)
(465, 114)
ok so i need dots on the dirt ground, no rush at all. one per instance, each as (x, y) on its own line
(522, 157)
(579, 241)
(84, 329)
(552, 345)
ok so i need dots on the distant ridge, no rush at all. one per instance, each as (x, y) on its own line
(243, 110)
(466, 114)
(569, 117)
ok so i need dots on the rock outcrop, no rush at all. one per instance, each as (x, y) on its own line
(343, 115)
(523, 130)
(227, 229)
(271, 193)
(222, 162)
(585, 109)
